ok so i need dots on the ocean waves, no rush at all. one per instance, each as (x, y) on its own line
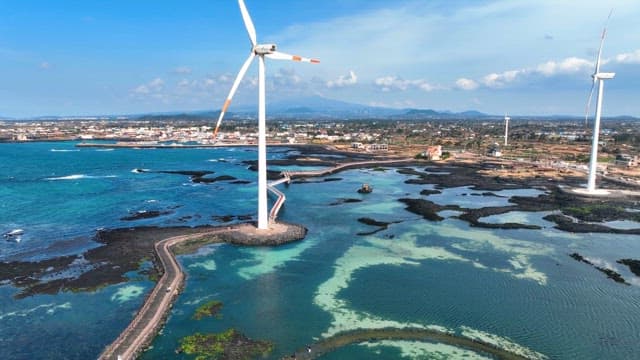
(64, 150)
(80, 177)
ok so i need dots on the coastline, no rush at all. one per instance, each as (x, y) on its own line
(445, 181)
(330, 344)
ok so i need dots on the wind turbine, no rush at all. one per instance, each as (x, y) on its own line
(599, 78)
(260, 51)
(506, 129)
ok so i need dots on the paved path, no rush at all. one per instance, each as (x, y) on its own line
(281, 198)
(288, 175)
(347, 166)
(150, 317)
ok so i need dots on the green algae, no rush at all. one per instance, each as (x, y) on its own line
(209, 309)
(230, 344)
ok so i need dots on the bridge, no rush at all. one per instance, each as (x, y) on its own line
(347, 166)
(288, 175)
(280, 197)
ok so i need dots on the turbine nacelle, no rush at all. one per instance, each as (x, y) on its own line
(603, 76)
(264, 49)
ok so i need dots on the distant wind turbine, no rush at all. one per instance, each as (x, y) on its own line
(506, 129)
(599, 78)
(261, 51)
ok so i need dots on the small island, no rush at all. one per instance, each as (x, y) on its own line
(209, 309)
(230, 344)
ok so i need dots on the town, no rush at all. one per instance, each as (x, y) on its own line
(556, 143)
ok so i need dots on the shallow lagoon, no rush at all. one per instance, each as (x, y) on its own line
(517, 287)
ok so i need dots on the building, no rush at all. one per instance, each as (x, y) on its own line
(626, 160)
(378, 147)
(494, 150)
(433, 153)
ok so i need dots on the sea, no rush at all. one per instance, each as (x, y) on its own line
(518, 289)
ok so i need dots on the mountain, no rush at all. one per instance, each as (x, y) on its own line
(318, 107)
(315, 108)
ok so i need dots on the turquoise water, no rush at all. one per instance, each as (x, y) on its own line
(518, 288)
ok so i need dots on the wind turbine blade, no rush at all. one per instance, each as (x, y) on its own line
(604, 35)
(587, 109)
(236, 83)
(248, 23)
(597, 70)
(282, 56)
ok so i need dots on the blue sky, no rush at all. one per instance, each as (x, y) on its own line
(117, 57)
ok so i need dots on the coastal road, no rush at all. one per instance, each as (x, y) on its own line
(149, 319)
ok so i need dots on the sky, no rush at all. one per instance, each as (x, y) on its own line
(522, 57)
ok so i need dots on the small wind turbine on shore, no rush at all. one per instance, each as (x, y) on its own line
(261, 51)
(598, 78)
(506, 129)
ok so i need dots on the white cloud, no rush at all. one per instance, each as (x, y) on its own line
(45, 65)
(466, 84)
(388, 83)
(495, 80)
(343, 81)
(446, 43)
(629, 58)
(153, 89)
(569, 65)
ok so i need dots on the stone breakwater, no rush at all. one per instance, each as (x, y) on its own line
(153, 313)
(333, 343)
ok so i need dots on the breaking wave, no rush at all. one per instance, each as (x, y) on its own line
(78, 177)
(64, 150)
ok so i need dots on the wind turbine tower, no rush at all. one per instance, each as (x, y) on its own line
(598, 78)
(506, 129)
(260, 51)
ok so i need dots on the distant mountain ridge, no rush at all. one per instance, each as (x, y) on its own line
(320, 107)
(313, 108)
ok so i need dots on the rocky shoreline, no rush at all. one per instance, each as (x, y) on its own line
(125, 250)
(611, 274)
(573, 213)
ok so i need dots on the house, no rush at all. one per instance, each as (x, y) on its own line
(626, 160)
(433, 153)
(494, 150)
(378, 147)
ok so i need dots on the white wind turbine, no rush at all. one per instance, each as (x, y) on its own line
(506, 129)
(599, 78)
(261, 51)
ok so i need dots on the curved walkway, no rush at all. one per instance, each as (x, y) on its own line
(151, 315)
(347, 166)
(288, 175)
(281, 198)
